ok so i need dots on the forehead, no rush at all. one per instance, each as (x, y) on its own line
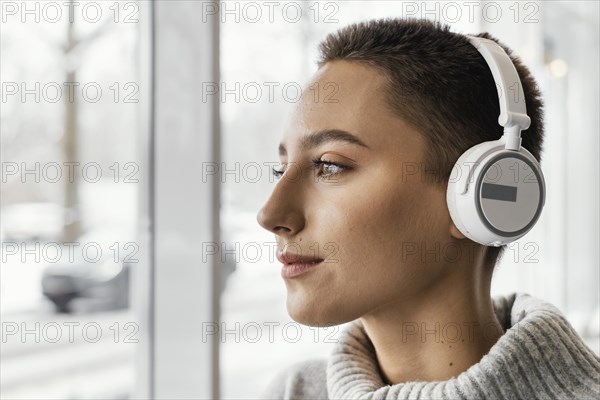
(348, 96)
(341, 93)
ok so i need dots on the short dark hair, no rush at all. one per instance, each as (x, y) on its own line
(439, 83)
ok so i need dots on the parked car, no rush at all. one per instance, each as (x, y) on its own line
(104, 278)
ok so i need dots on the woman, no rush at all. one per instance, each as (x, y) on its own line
(365, 235)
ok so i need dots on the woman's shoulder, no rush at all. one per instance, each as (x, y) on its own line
(302, 380)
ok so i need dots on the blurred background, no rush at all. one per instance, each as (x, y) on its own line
(137, 139)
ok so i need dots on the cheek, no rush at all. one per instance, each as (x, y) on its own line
(374, 231)
(379, 216)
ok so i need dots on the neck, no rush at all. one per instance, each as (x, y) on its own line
(440, 334)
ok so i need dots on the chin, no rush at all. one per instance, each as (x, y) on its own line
(309, 311)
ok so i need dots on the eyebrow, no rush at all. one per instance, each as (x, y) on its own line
(320, 137)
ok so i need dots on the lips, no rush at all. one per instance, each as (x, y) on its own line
(295, 265)
(291, 258)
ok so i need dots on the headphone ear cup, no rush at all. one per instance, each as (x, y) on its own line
(458, 183)
(494, 195)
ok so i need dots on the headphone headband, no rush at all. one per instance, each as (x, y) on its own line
(513, 112)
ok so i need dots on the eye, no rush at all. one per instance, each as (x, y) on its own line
(326, 169)
(277, 173)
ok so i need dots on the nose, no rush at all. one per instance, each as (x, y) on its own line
(282, 214)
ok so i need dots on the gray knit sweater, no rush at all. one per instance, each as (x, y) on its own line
(540, 356)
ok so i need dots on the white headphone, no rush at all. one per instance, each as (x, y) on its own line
(496, 190)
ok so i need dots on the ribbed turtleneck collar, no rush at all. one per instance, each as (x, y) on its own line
(539, 356)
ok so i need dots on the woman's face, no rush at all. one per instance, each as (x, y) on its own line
(380, 229)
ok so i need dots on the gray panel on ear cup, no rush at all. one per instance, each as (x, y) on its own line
(510, 194)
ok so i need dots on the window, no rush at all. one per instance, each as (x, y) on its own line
(69, 190)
